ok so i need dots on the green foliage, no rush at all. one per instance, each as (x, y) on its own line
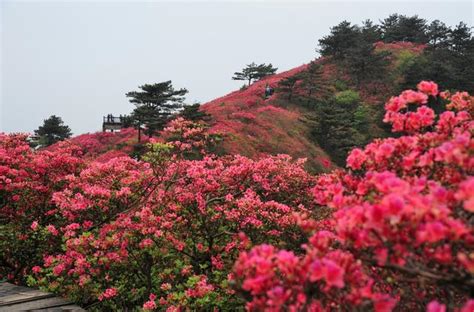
(352, 47)
(341, 124)
(348, 98)
(398, 27)
(253, 72)
(365, 64)
(362, 118)
(342, 38)
(193, 113)
(155, 104)
(449, 60)
(340, 85)
(138, 150)
(288, 85)
(438, 33)
(307, 86)
(158, 153)
(405, 59)
(314, 85)
(53, 130)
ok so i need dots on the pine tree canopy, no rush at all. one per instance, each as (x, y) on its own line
(155, 103)
(254, 72)
(53, 130)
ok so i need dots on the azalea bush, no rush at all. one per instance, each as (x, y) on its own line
(400, 234)
(29, 221)
(191, 139)
(183, 229)
(176, 233)
(167, 230)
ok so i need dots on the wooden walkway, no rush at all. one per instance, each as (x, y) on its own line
(17, 298)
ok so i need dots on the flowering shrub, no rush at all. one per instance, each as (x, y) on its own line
(166, 231)
(183, 229)
(190, 139)
(400, 233)
(95, 144)
(244, 116)
(28, 219)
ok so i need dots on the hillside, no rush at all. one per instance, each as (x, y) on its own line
(344, 184)
(254, 126)
(250, 124)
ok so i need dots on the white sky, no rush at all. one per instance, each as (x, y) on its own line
(77, 59)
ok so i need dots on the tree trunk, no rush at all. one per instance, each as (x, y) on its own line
(139, 131)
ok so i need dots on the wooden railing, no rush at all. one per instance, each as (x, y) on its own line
(112, 119)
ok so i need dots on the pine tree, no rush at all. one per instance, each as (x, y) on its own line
(352, 47)
(460, 39)
(448, 60)
(370, 32)
(338, 43)
(399, 27)
(364, 63)
(155, 104)
(313, 82)
(461, 43)
(254, 72)
(193, 113)
(288, 85)
(337, 124)
(53, 130)
(437, 33)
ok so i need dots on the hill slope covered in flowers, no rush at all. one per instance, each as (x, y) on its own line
(392, 231)
(255, 126)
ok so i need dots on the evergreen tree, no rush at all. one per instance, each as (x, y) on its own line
(448, 60)
(461, 44)
(288, 85)
(460, 39)
(254, 72)
(353, 48)
(313, 81)
(339, 42)
(438, 33)
(337, 124)
(398, 27)
(365, 64)
(155, 104)
(53, 130)
(370, 32)
(193, 113)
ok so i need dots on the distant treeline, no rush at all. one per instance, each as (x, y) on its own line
(448, 57)
(363, 65)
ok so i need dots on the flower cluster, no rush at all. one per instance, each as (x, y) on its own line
(183, 229)
(411, 121)
(401, 213)
(280, 280)
(28, 218)
(189, 139)
(172, 228)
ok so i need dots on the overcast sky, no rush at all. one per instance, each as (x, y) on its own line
(77, 59)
